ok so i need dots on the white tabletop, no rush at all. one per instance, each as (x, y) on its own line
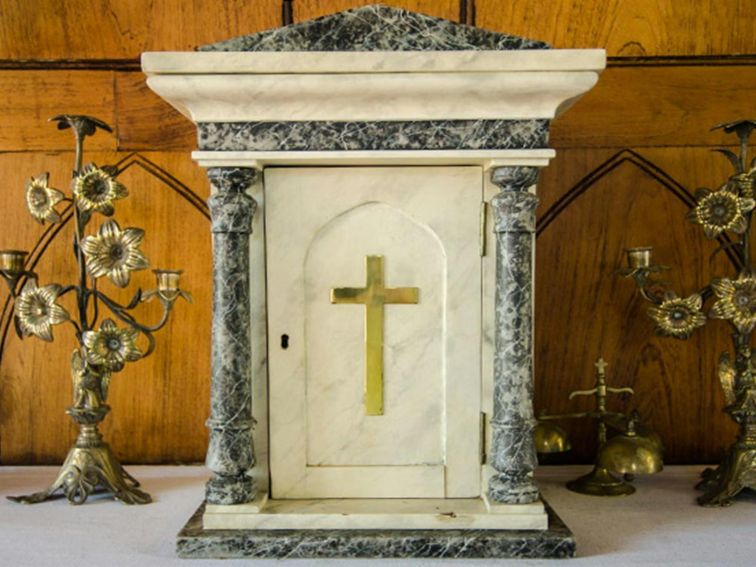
(659, 525)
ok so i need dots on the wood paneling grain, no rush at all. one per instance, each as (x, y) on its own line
(120, 29)
(308, 9)
(658, 106)
(584, 310)
(29, 98)
(160, 403)
(146, 122)
(629, 28)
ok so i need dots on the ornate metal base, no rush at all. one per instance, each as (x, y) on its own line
(86, 469)
(600, 482)
(737, 472)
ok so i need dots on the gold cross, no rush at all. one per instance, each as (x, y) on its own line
(374, 296)
(601, 366)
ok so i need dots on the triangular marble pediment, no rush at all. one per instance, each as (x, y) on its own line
(376, 28)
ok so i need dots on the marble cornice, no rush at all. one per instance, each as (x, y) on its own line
(378, 135)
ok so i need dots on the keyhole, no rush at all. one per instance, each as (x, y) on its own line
(284, 341)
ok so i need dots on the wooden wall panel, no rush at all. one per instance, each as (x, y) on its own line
(308, 9)
(662, 112)
(31, 97)
(658, 106)
(584, 310)
(629, 28)
(146, 121)
(160, 403)
(123, 29)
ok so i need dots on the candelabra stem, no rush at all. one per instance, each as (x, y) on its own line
(81, 292)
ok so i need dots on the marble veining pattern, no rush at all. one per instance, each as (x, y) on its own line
(195, 542)
(425, 222)
(381, 135)
(375, 28)
(230, 453)
(415, 91)
(512, 452)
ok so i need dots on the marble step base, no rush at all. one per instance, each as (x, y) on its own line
(193, 541)
(375, 514)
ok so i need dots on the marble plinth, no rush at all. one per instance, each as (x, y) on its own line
(376, 514)
(194, 542)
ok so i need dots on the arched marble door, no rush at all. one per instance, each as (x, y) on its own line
(405, 241)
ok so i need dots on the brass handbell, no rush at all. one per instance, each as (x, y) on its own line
(635, 450)
(631, 453)
(550, 438)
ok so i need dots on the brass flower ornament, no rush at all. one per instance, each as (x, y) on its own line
(96, 188)
(729, 209)
(742, 128)
(111, 347)
(37, 310)
(41, 199)
(114, 253)
(678, 317)
(745, 183)
(736, 301)
(720, 211)
(105, 341)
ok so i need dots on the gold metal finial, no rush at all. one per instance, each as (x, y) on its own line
(374, 296)
(601, 365)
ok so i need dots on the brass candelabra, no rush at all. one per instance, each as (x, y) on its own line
(113, 253)
(729, 209)
(634, 450)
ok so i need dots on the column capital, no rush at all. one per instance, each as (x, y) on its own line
(231, 208)
(514, 178)
(232, 179)
(514, 211)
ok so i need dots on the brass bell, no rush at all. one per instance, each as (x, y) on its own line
(628, 454)
(550, 438)
(636, 450)
(631, 453)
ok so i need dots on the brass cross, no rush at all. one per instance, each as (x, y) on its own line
(374, 296)
(601, 365)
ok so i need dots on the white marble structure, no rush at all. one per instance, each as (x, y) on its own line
(380, 141)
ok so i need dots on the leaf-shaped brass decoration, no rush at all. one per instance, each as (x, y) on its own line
(732, 156)
(726, 373)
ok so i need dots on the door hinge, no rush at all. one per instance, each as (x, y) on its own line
(483, 217)
(482, 438)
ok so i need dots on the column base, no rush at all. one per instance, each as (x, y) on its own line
(197, 543)
(230, 490)
(512, 490)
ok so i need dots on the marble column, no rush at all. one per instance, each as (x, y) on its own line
(512, 453)
(230, 454)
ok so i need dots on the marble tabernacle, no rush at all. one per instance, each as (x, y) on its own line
(373, 203)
